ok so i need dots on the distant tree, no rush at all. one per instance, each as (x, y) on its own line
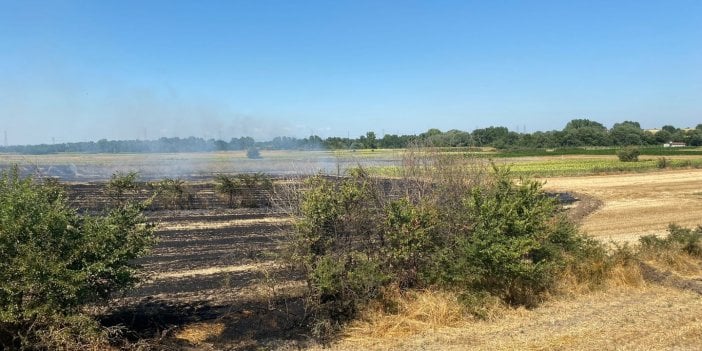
(627, 133)
(371, 141)
(670, 129)
(662, 136)
(584, 123)
(630, 123)
(221, 145)
(253, 153)
(490, 136)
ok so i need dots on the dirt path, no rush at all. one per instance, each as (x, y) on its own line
(637, 204)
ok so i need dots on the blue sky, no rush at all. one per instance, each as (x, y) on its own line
(85, 70)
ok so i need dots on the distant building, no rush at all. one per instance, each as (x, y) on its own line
(674, 144)
(653, 131)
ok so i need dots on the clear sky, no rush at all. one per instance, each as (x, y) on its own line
(86, 70)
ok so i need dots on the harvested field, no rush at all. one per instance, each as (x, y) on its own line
(637, 204)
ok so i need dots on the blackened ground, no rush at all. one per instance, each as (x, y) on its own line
(221, 273)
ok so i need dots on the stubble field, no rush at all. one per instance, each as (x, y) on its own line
(637, 204)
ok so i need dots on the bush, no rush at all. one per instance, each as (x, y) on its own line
(54, 261)
(248, 190)
(479, 232)
(175, 193)
(662, 163)
(253, 153)
(679, 239)
(337, 243)
(122, 184)
(629, 154)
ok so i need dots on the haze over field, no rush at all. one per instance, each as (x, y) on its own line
(73, 71)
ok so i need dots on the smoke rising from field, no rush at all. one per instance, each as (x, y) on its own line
(51, 107)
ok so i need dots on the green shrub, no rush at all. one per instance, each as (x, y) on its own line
(678, 239)
(337, 242)
(481, 234)
(175, 193)
(629, 154)
(246, 189)
(515, 247)
(54, 261)
(662, 162)
(121, 185)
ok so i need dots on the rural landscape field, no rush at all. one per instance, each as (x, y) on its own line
(216, 279)
(350, 175)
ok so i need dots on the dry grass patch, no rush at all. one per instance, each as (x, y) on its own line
(643, 318)
(258, 267)
(190, 225)
(200, 332)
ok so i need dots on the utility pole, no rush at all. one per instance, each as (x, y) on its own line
(5, 138)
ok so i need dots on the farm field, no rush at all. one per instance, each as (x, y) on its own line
(98, 167)
(636, 204)
(213, 281)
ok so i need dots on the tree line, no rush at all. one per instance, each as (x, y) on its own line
(576, 133)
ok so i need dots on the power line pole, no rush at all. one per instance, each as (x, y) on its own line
(5, 138)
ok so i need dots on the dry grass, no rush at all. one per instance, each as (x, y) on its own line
(258, 267)
(626, 312)
(197, 333)
(191, 225)
(415, 312)
(642, 318)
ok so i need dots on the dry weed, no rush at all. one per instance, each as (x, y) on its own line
(411, 313)
(200, 332)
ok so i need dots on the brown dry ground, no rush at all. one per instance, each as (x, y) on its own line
(639, 203)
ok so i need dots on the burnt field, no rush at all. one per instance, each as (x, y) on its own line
(215, 267)
(215, 279)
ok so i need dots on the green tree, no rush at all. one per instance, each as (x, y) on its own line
(627, 133)
(53, 261)
(371, 141)
(584, 123)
